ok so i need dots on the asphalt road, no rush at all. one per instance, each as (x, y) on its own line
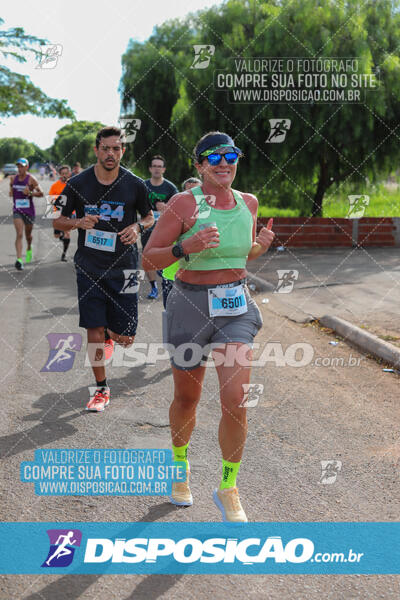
(306, 415)
(360, 285)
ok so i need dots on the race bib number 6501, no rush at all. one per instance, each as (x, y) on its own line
(227, 301)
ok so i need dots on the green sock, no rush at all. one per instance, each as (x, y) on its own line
(230, 471)
(180, 453)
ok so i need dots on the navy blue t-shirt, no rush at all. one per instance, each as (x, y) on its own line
(160, 193)
(117, 204)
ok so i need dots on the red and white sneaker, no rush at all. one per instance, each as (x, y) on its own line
(108, 348)
(100, 400)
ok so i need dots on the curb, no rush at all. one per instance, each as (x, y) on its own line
(368, 342)
(261, 284)
(276, 304)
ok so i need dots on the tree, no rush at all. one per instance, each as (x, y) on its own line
(327, 144)
(332, 143)
(75, 142)
(13, 148)
(18, 95)
(149, 89)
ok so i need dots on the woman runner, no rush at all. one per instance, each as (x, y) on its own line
(209, 306)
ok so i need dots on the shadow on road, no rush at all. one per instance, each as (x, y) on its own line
(71, 587)
(38, 275)
(56, 311)
(53, 414)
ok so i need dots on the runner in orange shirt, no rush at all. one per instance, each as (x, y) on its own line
(57, 190)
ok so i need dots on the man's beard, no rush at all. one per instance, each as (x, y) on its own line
(109, 167)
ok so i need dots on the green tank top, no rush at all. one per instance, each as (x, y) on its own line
(235, 228)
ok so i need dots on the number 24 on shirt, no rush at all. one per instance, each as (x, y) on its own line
(107, 212)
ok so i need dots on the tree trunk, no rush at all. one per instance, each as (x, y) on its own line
(323, 184)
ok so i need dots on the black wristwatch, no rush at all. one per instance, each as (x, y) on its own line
(141, 228)
(179, 252)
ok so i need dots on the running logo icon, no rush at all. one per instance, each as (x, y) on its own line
(49, 56)
(54, 206)
(251, 394)
(287, 277)
(357, 207)
(203, 208)
(131, 283)
(63, 347)
(202, 56)
(330, 470)
(63, 543)
(130, 128)
(279, 129)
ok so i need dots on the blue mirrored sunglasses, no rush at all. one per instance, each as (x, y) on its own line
(215, 158)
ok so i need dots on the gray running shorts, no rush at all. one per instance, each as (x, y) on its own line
(190, 330)
(27, 219)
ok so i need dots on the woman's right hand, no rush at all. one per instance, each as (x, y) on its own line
(201, 240)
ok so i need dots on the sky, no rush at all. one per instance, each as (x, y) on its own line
(94, 34)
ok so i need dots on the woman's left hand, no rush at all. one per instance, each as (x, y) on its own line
(266, 235)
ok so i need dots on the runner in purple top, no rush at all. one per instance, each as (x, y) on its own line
(22, 188)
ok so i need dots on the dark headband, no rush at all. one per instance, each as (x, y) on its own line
(216, 140)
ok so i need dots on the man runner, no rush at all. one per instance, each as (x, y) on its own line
(56, 190)
(22, 189)
(168, 274)
(160, 191)
(106, 198)
(76, 169)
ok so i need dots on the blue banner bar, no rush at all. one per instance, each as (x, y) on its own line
(252, 548)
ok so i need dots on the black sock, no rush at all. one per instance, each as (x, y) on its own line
(153, 284)
(66, 244)
(102, 384)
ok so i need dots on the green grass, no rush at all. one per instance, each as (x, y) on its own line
(383, 202)
(265, 211)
